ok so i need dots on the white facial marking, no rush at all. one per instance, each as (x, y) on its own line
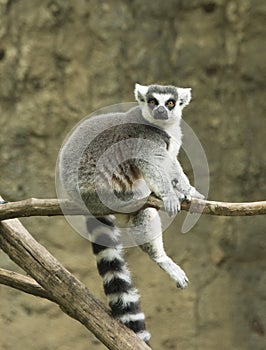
(162, 98)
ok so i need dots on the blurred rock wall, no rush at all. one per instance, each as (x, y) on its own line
(61, 60)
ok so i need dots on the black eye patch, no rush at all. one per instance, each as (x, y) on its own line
(153, 102)
(170, 104)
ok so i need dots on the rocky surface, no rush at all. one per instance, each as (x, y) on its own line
(61, 60)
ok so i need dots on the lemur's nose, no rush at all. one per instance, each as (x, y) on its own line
(160, 113)
(161, 109)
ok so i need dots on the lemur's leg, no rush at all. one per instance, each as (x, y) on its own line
(123, 298)
(148, 228)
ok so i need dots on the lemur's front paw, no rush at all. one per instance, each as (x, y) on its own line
(188, 198)
(181, 278)
(181, 196)
(171, 204)
(3, 202)
(196, 194)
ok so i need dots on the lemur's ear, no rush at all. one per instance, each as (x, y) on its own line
(184, 96)
(140, 92)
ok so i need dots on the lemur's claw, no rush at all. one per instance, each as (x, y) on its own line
(182, 281)
(181, 197)
(188, 198)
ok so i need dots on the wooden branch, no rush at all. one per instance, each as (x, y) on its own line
(23, 283)
(55, 283)
(51, 207)
(66, 290)
(227, 208)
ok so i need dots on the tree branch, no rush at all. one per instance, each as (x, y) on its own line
(51, 207)
(55, 283)
(23, 283)
(64, 289)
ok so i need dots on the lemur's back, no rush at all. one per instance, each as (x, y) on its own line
(108, 157)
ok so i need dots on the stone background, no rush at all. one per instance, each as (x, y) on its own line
(61, 60)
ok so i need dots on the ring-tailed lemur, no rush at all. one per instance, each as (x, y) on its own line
(154, 126)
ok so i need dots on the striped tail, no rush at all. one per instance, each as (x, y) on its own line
(123, 298)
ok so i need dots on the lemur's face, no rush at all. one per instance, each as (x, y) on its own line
(162, 105)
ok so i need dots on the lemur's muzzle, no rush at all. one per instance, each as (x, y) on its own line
(160, 113)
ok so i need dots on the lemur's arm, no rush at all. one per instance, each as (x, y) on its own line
(181, 182)
(159, 182)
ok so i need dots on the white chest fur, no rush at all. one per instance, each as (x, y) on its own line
(175, 139)
(174, 148)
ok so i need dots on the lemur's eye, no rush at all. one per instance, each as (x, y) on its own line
(170, 104)
(152, 102)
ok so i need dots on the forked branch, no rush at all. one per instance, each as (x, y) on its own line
(62, 287)
(23, 283)
(52, 281)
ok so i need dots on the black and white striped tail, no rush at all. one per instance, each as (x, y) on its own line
(123, 298)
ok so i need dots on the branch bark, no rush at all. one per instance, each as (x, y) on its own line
(51, 207)
(23, 283)
(52, 281)
(64, 289)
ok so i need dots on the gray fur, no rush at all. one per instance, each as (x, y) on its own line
(117, 153)
(163, 90)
